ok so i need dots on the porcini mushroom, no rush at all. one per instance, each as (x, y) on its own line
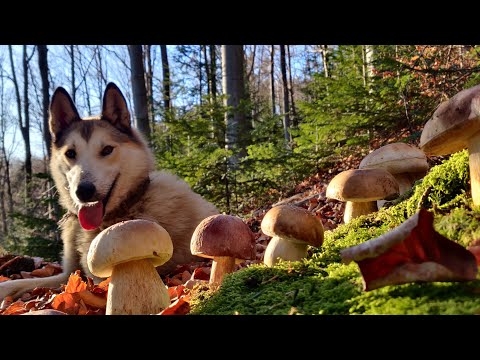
(292, 229)
(129, 251)
(405, 162)
(455, 126)
(223, 238)
(361, 188)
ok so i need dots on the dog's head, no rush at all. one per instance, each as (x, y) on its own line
(97, 160)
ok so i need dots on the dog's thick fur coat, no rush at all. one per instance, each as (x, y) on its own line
(113, 159)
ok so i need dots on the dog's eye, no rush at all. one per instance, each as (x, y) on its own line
(107, 150)
(70, 154)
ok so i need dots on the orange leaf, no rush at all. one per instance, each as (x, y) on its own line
(16, 308)
(75, 283)
(104, 284)
(65, 302)
(3, 278)
(179, 307)
(43, 272)
(93, 300)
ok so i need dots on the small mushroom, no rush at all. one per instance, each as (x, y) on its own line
(405, 162)
(129, 251)
(455, 126)
(361, 188)
(225, 239)
(292, 229)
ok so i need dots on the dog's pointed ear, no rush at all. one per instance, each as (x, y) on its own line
(62, 112)
(115, 108)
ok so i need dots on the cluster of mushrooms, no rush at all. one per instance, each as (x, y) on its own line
(130, 251)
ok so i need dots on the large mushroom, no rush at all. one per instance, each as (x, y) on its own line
(225, 239)
(292, 230)
(361, 188)
(129, 251)
(455, 126)
(405, 162)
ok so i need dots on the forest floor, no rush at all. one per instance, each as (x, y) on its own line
(81, 297)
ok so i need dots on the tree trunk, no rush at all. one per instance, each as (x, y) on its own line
(234, 88)
(272, 77)
(207, 71)
(369, 57)
(324, 49)
(26, 128)
(213, 71)
(286, 103)
(292, 100)
(139, 90)
(43, 67)
(72, 70)
(149, 83)
(166, 79)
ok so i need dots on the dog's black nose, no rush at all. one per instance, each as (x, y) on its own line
(85, 191)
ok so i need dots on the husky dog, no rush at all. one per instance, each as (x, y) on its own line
(104, 174)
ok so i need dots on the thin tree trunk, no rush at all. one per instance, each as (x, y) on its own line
(207, 71)
(139, 90)
(149, 83)
(324, 49)
(272, 77)
(292, 100)
(26, 129)
(286, 104)
(200, 74)
(213, 71)
(166, 78)
(43, 67)
(72, 70)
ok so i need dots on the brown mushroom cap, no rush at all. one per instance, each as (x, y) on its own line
(396, 158)
(362, 185)
(223, 235)
(293, 223)
(452, 124)
(127, 241)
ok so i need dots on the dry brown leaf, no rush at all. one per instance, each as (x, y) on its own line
(93, 300)
(16, 308)
(75, 283)
(43, 272)
(3, 278)
(65, 302)
(179, 307)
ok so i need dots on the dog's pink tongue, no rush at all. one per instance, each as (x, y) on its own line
(90, 217)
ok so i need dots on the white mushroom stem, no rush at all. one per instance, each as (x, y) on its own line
(221, 265)
(129, 296)
(356, 209)
(405, 182)
(474, 163)
(281, 248)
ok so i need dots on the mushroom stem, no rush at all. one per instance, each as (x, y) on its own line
(404, 181)
(285, 250)
(129, 296)
(474, 163)
(221, 265)
(356, 209)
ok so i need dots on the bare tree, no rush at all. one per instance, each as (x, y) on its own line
(213, 71)
(149, 81)
(290, 88)
(139, 89)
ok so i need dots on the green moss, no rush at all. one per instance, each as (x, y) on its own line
(321, 284)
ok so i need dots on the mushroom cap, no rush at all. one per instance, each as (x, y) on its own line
(452, 124)
(126, 241)
(361, 185)
(396, 158)
(223, 235)
(293, 223)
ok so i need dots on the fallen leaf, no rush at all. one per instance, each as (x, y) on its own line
(412, 252)
(43, 272)
(3, 278)
(202, 273)
(93, 300)
(66, 303)
(16, 308)
(75, 283)
(179, 307)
